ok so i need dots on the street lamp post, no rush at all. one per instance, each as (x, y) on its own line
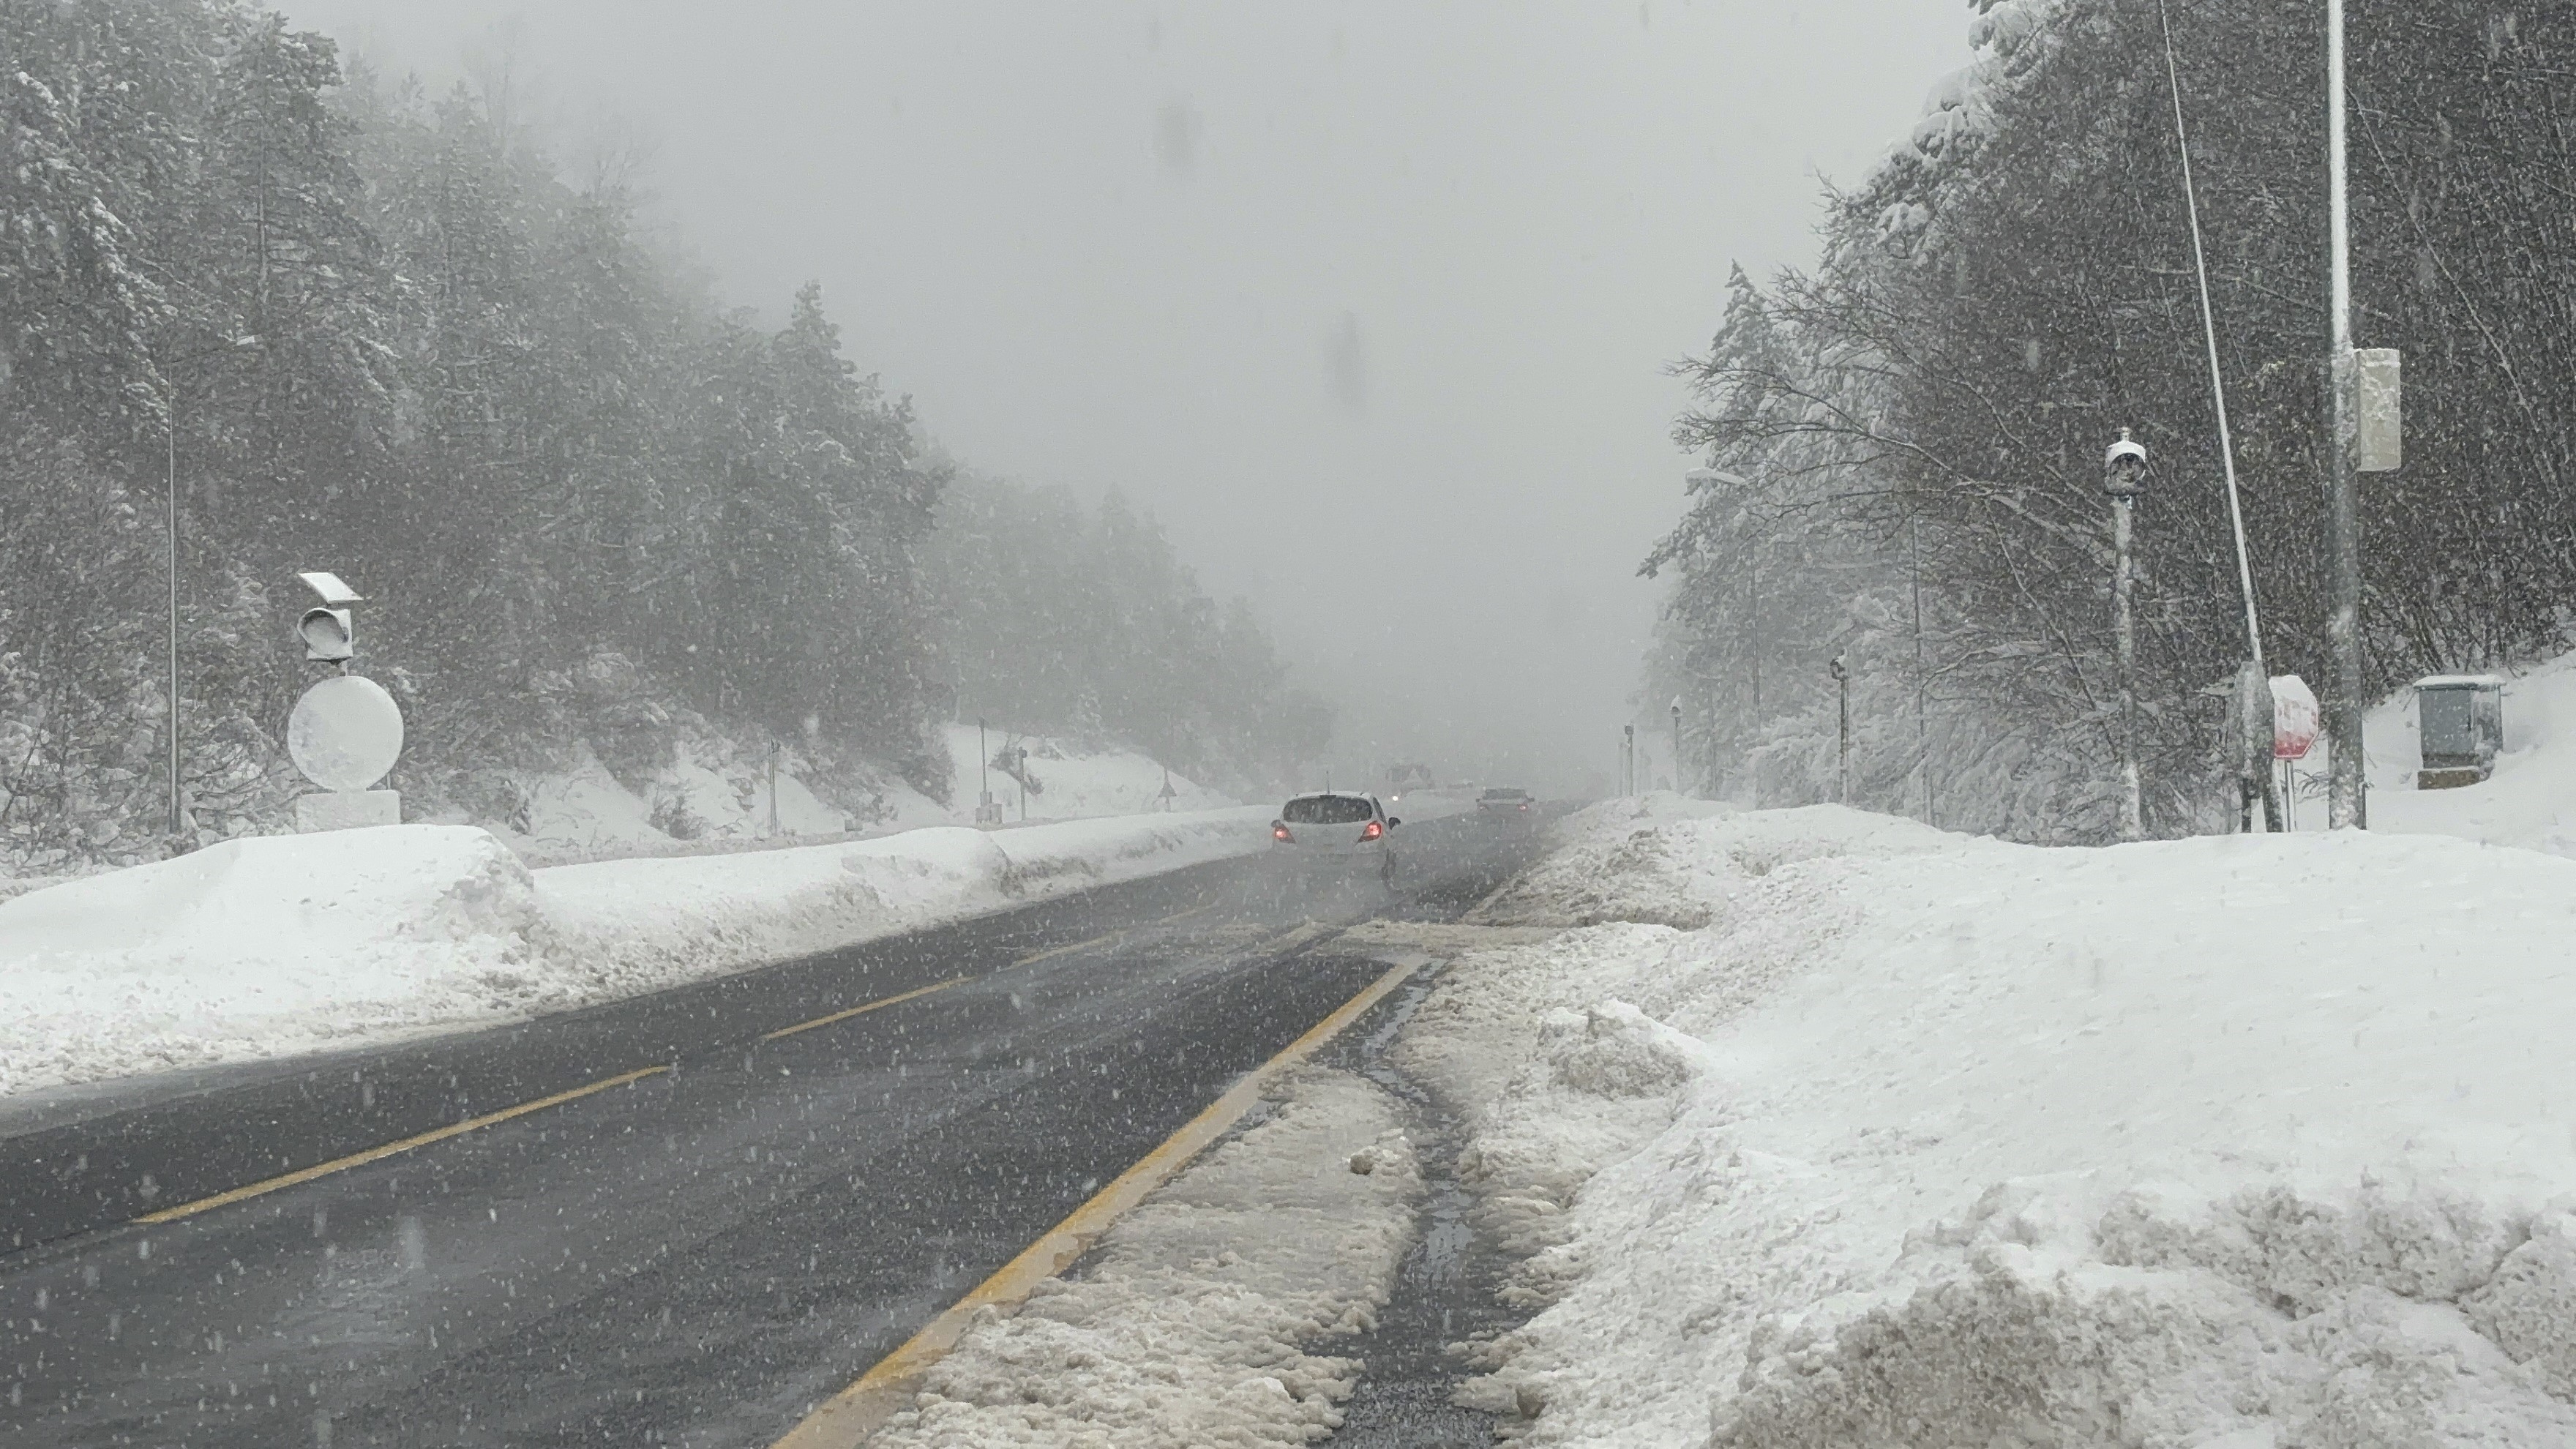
(2124, 477)
(1678, 787)
(1842, 731)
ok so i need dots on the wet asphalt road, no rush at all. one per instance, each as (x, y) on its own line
(694, 1258)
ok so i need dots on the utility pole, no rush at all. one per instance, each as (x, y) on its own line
(773, 788)
(986, 812)
(170, 432)
(2347, 803)
(1628, 759)
(2124, 477)
(1753, 627)
(1922, 722)
(1842, 733)
(1753, 633)
(170, 469)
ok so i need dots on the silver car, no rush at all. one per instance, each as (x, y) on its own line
(1336, 828)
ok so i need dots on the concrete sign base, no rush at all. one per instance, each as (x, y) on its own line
(347, 809)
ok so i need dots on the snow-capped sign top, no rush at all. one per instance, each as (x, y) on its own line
(2461, 681)
(2296, 720)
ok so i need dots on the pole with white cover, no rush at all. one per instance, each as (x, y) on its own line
(2124, 477)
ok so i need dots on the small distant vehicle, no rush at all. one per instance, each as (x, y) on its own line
(1513, 804)
(1331, 829)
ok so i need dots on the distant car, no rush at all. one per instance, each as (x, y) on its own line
(1336, 829)
(1513, 804)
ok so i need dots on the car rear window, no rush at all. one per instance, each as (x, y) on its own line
(1507, 794)
(1328, 810)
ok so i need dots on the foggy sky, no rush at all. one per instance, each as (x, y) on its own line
(1368, 303)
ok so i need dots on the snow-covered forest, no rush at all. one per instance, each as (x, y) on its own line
(2011, 287)
(371, 329)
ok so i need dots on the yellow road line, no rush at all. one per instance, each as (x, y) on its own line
(1060, 950)
(848, 1417)
(862, 1010)
(372, 1154)
(1185, 915)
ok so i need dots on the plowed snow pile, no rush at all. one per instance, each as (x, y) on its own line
(1924, 1141)
(276, 945)
(1208, 1314)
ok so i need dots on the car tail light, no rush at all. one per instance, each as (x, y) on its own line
(1374, 831)
(1524, 804)
(1279, 831)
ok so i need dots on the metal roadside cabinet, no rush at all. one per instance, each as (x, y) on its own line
(2461, 729)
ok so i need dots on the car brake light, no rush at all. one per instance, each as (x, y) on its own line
(1524, 804)
(1373, 832)
(1279, 831)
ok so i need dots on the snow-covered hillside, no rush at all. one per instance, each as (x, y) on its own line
(711, 794)
(1074, 783)
(1875, 1135)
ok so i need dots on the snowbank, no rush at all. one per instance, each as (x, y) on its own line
(275, 945)
(284, 942)
(1196, 1321)
(625, 926)
(1921, 1140)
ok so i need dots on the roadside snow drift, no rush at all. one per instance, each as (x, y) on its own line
(275, 945)
(1923, 1141)
(1202, 1317)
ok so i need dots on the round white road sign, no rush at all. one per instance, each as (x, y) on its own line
(346, 732)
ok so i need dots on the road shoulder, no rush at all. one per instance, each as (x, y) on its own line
(1208, 1313)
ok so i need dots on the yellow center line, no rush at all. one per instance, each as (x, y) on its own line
(1076, 946)
(847, 1418)
(860, 1010)
(373, 1154)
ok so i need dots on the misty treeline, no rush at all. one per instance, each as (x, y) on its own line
(377, 331)
(1082, 619)
(1932, 403)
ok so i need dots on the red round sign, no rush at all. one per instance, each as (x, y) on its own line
(2296, 720)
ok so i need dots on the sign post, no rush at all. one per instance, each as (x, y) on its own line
(345, 732)
(2296, 722)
